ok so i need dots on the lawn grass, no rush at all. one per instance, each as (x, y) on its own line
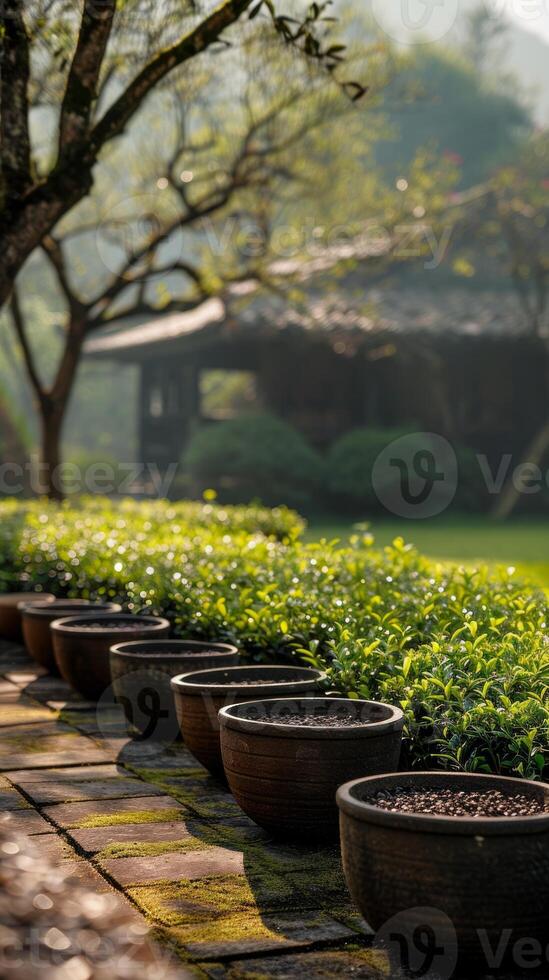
(465, 539)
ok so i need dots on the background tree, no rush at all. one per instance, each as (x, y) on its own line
(209, 168)
(92, 67)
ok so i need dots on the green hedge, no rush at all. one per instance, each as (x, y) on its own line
(350, 465)
(255, 455)
(464, 652)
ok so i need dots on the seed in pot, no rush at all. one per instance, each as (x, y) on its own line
(257, 682)
(106, 625)
(325, 720)
(457, 803)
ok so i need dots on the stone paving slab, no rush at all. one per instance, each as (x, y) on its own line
(10, 799)
(65, 791)
(87, 875)
(93, 840)
(72, 815)
(27, 822)
(6, 687)
(69, 774)
(55, 847)
(24, 677)
(235, 936)
(328, 964)
(45, 688)
(45, 745)
(175, 865)
(20, 710)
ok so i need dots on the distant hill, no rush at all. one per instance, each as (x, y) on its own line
(526, 53)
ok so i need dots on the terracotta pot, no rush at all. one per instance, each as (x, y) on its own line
(141, 673)
(199, 697)
(81, 646)
(10, 612)
(285, 776)
(36, 620)
(471, 878)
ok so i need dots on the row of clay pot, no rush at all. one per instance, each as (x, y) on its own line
(443, 892)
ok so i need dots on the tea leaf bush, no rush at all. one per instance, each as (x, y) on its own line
(464, 652)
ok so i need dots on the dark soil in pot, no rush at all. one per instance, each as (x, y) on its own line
(38, 616)
(81, 646)
(10, 612)
(141, 673)
(199, 697)
(284, 759)
(458, 857)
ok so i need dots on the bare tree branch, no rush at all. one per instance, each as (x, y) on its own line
(197, 40)
(21, 332)
(81, 88)
(54, 252)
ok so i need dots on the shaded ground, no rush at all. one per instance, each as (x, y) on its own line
(150, 822)
(522, 543)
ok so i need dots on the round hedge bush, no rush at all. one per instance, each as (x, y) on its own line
(351, 460)
(255, 456)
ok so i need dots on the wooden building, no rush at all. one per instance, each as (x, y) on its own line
(335, 366)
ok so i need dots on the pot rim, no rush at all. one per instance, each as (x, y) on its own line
(367, 813)
(186, 646)
(25, 598)
(182, 683)
(71, 624)
(39, 610)
(393, 723)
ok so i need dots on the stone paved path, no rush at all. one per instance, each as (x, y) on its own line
(149, 822)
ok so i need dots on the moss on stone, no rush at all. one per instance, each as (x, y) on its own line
(132, 850)
(229, 929)
(186, 902)
(127, 817)
(322, 886)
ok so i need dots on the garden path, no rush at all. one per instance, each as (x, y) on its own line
(148, 821)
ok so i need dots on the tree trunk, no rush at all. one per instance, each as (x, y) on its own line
(50, 476)
(534, 454)
(53, 409)
(13, 447)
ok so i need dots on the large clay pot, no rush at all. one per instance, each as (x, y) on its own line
(460, 882)
(10, 612)
(285, 776)
(81, 646)
(38, 616)
(141, 673)
(199, 697)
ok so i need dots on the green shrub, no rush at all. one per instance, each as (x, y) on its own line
(351, 460)
(255, 456)
(350, 464)
(465, 652)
